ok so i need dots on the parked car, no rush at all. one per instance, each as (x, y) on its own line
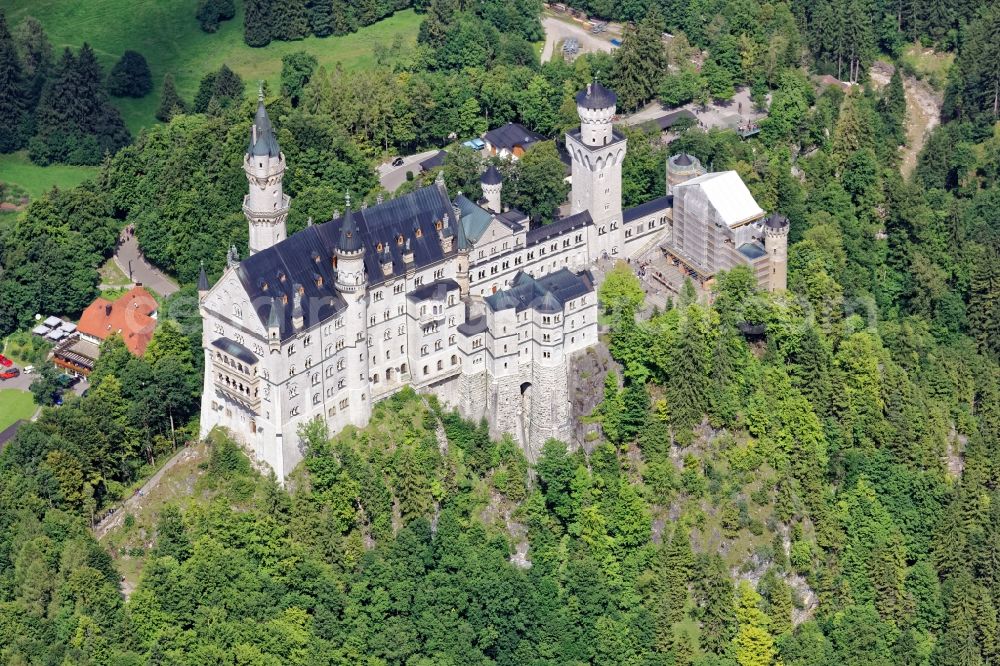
(5, 362)
(10, 374)
(398, 162)
(28, 369)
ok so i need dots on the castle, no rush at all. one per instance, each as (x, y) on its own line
(454, 297)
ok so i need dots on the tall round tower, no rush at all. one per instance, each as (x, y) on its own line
(351, 276)
(352, 283)
(776, 244)
(682, 167)
(492, 183)
(596, 108)
(597, 153)
(265, 205)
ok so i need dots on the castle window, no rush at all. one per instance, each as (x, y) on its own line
(440, 365)
(437, 345)
(331, 411)
(343, 403)
(294, 411)
(371, 320)
(340, 384)
(477, 343)
(293, 390)
(316, 398)
(309, 361)
(315, 378)
(329, 371)
(517, 260)
(375, 378)
(546, 354)
(377, 296)
(438, 274)
(237, 310)
(291, 350)
(339, 322)
(451, 339)
(340, 364)
(385, 315)
(399, 239)
(419, 280)
(418, 232)
(423, 350)
(426, 370)
(546, 337)
(398, 289)
(402, 368)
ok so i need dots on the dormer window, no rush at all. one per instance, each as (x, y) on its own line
(419, 232)
(281, 276)
(399, 239)
(378, 248)
(438, 225)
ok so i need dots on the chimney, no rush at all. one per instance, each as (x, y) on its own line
(408, 253)
(298, 320)
(386, 261)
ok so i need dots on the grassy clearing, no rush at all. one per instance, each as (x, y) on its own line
(927, 64)
(15, 404)
(112, 276)
(129, 543)
(16, 168)
(167, 34)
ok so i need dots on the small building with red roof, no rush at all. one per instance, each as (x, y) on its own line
(132, 315)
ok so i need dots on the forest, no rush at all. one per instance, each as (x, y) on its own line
(824, 493)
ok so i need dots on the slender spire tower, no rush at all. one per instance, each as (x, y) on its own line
(265, 205)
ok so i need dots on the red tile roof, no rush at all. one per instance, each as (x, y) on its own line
(130, 316)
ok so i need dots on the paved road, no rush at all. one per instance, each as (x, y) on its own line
(557, 30)
(142, 271)
(392, 177)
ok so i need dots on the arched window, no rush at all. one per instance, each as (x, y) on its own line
(454, 359)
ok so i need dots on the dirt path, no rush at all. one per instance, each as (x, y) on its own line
(923, 112)
(116, 518)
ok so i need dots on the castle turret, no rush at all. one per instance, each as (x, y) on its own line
(492, 183)
(596, 108)
(680, 168)
(265, 205)
(776, 244)
(351, 276)
(352, 283)
(597, 152)
(203, 285)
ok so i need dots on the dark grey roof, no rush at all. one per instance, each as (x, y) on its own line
(236, 350)
(473, 326)
(202, 279)
(667, 120)
(682, 160)
(350, 239)
(434, 161)
(776, 221)
(635, 212)
(513, 218)
(438, 289)
(616, 136)
(752, 250)
(559, 227)
(491, 176)
(511, 135)
(548, 293)
(262, 139)
(306, 257)
(596, 96)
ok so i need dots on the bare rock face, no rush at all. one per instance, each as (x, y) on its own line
(586, 390)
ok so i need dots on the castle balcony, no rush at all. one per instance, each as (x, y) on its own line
(432, 312)
(242, 394)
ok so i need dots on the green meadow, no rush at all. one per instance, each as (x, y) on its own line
(167, 34)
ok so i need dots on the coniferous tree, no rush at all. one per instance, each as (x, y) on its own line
(13, 98)
(440, 16)
(892, 107)
(130, 76)
(640, 62)
(257, 23)
(36, 56)
(320, 14)
(974, 81)
(211, 13)
(171, 103)
(713, 594)
(289, 20)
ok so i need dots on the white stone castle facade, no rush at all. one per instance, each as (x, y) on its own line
(452, 297)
